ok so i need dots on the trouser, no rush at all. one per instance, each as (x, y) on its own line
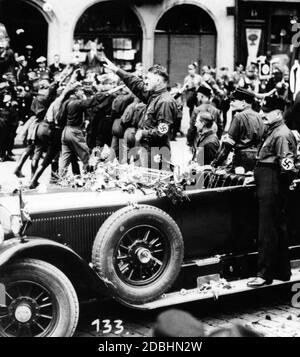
(127, 150)
(28, 151)
(273, 253)
(191, 100)
(12, 132)
(177, 126)
(104, 131)
(3, 139)
(155, 157)
(52, 157)
(73, 142)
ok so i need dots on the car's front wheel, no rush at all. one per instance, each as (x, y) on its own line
(40, 301)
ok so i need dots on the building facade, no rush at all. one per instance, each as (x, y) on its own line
(170, 32)
(266, 28)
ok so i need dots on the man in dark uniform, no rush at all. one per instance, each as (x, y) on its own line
(56, 67)
(155, 128)
(42, 71)
(73, 139)
(244, 135)
(205, 139)
(204, 105)
(39, 106)
(29, 58)
(273, 175)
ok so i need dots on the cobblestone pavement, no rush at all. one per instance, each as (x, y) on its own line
(268, 312)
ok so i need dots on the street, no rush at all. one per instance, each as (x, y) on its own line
(268, 312)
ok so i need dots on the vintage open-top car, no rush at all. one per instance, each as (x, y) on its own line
(141, 249)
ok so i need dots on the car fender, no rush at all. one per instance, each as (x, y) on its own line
(82, 276)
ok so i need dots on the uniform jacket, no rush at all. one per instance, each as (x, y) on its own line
(160, 113)
(279, 147)
(210, 142)
(75, 108)
(246, 130)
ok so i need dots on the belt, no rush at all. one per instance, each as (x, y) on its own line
(266, 164)
(251, 148)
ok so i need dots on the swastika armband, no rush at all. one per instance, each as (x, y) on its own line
(163, 128)
(287, 164)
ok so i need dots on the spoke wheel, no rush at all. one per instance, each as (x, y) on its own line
(142, 255)
(138, 253)
(31, 310)
(40, 301)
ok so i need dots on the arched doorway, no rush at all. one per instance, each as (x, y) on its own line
(185, 34)
(21, 15)
(115, 25)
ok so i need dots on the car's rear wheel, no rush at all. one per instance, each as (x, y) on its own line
(40, 301)
(138, 252)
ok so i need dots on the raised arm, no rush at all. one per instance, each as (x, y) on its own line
(135, 84)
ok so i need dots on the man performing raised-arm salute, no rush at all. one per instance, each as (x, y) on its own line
(155, 128)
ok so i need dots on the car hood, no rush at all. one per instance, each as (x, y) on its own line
(66, 200)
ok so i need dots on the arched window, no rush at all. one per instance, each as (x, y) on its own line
(21, 15)
(184, 34)
(186, 19)
(116, 27)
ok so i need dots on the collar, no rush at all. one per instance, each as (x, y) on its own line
(204, 135)
(275, 125)
(157, 93)
(248, 107)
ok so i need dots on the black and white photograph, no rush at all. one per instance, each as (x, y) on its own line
(150, 171)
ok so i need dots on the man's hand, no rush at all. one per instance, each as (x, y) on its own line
(249, 181)
(194, 166)
(139, 135)
(109, 65)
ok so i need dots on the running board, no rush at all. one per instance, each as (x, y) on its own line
(191, 295)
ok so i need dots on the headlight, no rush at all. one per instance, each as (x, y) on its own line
(1, 234)
(16, 224)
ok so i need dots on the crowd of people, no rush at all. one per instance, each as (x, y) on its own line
(66, 111)
(34, 96)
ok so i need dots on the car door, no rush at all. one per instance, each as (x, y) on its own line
(218, 221)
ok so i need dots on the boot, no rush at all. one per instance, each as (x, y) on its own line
(54, 172)
(22, 160)
(34, 181)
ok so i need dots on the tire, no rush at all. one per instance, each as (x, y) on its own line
(138, 253)
(40, 299)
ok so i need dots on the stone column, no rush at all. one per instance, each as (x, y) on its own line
(148, 51)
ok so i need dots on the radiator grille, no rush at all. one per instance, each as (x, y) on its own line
(76, 230)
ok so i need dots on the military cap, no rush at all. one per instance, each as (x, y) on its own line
(3, 85)
(204, 90)
(41, 59)
(242, 94)
(29, 47)
(20, 59)
(273, 103)
(206, 117)
(177, 323)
